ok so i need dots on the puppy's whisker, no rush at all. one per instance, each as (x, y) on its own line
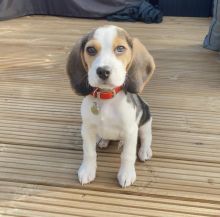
(83, 78)
(87, 83)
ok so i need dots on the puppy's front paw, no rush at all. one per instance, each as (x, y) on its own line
(87, 172)
(145, 154)
(126, 176)
(103, 143)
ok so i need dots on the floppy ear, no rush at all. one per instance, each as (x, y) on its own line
(76, 69)
(141, 68)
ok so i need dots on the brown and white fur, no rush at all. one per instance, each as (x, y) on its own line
(125, 116)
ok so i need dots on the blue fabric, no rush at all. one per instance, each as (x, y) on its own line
(143, 11)
(186, 8)
(212, 40)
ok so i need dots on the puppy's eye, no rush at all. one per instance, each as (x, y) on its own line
(120, 49)
(91, 51)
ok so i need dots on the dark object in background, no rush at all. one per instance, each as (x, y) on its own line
(185, 8)
(212, 40)
(70, 8)
(144, 12)
(100, 8)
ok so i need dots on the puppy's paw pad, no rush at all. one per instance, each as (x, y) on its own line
(126, 176)
(103, 143)
(86, 173)
(145, 154)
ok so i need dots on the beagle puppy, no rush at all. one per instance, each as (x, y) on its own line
(110, 68)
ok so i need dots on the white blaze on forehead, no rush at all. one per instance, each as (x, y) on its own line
(106, 35)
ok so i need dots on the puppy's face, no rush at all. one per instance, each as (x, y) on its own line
(106, 58)
(107, 55)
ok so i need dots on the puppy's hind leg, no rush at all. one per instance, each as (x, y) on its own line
(102, 143)
(145, 134)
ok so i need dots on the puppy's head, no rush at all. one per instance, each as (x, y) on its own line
(106, 58)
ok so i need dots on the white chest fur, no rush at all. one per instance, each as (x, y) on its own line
(115, 116)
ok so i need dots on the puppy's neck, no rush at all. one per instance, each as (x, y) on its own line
(106, 94)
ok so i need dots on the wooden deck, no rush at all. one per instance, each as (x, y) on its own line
(40, 140)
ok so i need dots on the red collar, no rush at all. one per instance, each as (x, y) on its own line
(104, 94)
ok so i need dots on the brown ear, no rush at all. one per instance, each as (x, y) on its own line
(76, 69)
(141, 68)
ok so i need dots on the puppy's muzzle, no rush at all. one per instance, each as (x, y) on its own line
(103, 72)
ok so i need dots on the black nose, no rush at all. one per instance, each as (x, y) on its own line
(103, 72)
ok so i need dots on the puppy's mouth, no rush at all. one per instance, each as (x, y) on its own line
(107, 85)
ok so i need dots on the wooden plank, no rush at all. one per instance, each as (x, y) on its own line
(51, 167)
(127, 204)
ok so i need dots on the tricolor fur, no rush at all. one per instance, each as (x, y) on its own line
(107, 58)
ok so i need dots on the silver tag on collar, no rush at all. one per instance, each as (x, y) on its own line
(95, 109)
